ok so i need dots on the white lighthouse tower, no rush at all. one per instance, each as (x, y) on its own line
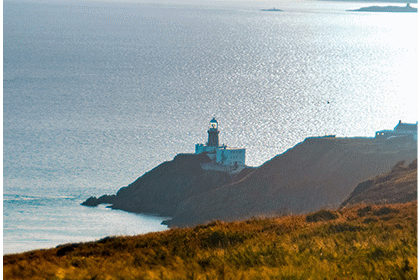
(222, 156)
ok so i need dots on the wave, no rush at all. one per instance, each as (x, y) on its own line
(19, 197)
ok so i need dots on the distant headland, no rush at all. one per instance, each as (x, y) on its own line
(387, 9)
(377, 1)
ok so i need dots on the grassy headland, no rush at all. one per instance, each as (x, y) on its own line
(357, 242)
(316, 173)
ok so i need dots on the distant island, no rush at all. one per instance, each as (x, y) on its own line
(272, 10)
(377, 1)
(387, 9)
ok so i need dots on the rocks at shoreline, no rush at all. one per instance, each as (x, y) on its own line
(104, 199)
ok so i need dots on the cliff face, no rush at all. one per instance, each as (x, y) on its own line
(396, 186)
(161, 190)
(164, 187)
(317, 173)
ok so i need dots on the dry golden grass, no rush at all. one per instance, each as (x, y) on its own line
(361, 242)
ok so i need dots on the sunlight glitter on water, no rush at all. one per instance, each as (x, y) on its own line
(92, 103)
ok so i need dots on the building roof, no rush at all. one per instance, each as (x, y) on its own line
(406, 126)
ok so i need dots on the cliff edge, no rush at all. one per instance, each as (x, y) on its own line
(316, 173)
(161, 190)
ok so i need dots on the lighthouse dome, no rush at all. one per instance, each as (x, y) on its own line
(213, 124)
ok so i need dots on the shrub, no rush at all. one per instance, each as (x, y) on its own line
(322, 215)
(377, 254)
(65, 249)
(385, 211)
(78, 262)
(223, 239)
(363, 211)
(370, 220)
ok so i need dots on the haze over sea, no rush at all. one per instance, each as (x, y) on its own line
(96, 93)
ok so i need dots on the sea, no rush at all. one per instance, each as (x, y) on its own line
(98, 92)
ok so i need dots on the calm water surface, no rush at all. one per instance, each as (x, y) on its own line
(96, 93)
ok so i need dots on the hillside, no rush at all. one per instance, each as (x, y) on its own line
(316, 173)
(162, 189)
(396, 186)
(358, 242)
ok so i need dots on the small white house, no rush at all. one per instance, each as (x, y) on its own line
(220, 154)
(402, 129)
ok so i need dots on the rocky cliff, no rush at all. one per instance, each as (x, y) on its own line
(161, 190)
(319, 172)
(396, 186)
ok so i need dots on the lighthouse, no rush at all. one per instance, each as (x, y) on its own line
(220, 155)
(213, 134)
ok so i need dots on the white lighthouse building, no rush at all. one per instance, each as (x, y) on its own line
(220, 155)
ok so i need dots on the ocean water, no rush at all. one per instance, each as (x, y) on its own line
(96, 93)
